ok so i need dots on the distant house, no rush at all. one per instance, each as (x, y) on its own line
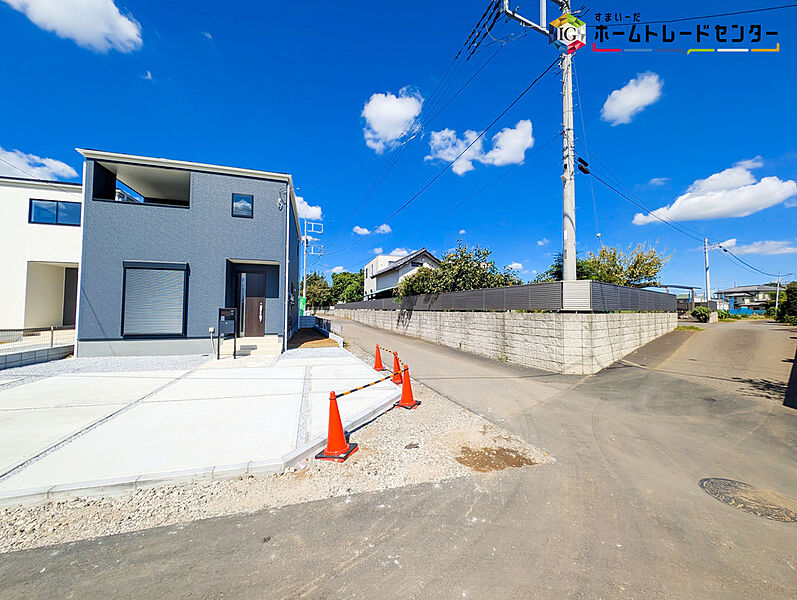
(752, 297)
(40, 232)
(383, 273)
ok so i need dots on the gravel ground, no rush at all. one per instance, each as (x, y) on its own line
(437, 441)
(105, 364)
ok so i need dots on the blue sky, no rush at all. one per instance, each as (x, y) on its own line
(291, 87)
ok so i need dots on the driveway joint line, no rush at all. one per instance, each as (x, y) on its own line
(70, 438)
(304, 409)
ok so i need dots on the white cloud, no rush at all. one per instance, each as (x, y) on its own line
(147, 76)
(360, 230)
(768, 247)
(542, 242)
(659, 181)
(14, 163)
(383, 228)
(733, 192)
(624, 104)
(338, 269)
(378, 250)
(508, 147)
(462, 232)
(94, 24)
(400, 252)
(445, 145)
(208, 35)
(389, 118)
(308, 212)
(515, 266)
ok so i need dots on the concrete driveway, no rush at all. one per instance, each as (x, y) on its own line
(620, 515)
(87, 433)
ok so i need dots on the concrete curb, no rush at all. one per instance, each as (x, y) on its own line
(23, 358)
(332, 336)
(218, 472)
(317, 444)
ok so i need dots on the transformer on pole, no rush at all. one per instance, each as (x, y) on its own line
(568, 33)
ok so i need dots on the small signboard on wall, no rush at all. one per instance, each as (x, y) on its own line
(302, 304)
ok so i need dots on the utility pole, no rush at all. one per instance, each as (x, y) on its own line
(568, 175)
(314, 251)
(568, 34)
(705, 255)
(777, 293)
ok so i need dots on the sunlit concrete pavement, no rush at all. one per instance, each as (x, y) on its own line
(91, 432)
(620, 514)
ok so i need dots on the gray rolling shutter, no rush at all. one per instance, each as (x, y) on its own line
(154, 301)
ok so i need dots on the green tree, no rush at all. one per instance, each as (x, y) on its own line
(788, 308)
(639, 266)
(347, 287)
(318, 292)
(584, 270)
(463, 268)
(423, 281)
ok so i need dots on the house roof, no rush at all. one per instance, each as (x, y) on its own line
(168, 163)
(403, 261)
(66, 186)
(748, 289)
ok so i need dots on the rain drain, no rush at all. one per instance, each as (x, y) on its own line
(764, 503)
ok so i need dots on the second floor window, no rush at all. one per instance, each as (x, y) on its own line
(54, 212)
(243, 206)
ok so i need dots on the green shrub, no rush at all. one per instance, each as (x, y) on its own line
(723, 314)
(702, 313)
(770, 312)
(791, 319)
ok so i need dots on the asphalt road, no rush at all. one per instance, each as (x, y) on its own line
(620, 514)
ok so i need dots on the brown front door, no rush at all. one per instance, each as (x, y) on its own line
(253, 290)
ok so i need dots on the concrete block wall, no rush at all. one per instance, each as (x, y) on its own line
(574, 343)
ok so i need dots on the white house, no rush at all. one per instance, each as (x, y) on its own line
(383, 273)
(40, 239)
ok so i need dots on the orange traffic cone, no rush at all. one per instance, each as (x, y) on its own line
(407, 401)
(338, 448)
(378, 360)
(396, 369)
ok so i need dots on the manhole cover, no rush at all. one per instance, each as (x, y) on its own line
(764, 503)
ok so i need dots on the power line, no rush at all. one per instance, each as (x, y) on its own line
(448, 166)
(32, 177)
(683, 231)
(586, 147)
(714, 16)
(455, 206)
(420, 124)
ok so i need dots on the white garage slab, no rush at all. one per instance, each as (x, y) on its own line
(86, 389)
(210, 422)
(234, 382)
(26, 433)
(161, 437)
(35, 416)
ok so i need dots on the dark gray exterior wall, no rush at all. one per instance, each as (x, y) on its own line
(205, 236)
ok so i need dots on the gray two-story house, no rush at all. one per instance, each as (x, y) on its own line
(166, 243)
